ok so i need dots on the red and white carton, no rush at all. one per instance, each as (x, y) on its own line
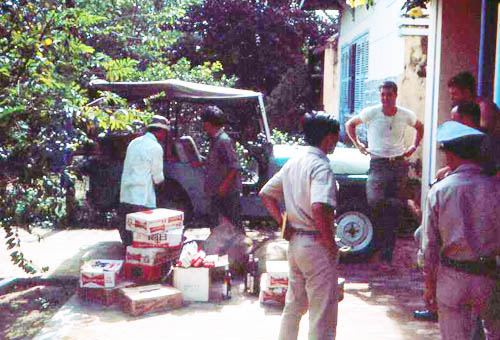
(154, 221)
(100, 273)
(171, 239)
(271, 295)
(146, 256)
(277, 273)
(143, 273)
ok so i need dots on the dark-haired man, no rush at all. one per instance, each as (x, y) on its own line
(142, 170)
(306, 184)
(462, 88)
(460, 238)
(388, 175)
(222, 174)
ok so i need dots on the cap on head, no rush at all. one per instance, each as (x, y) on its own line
(159, 122)
(459, 139)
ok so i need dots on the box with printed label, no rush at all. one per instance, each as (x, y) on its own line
(271, 294)
(171, 238)
(100, 273)
(277, 273)
(151, 298)
(144, 273)
(154, 221)
(146, 256)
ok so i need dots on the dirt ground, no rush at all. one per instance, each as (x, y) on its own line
(25, 309)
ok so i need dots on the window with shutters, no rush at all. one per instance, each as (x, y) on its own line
(353, 74)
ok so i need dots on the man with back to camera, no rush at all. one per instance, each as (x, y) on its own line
(460, 238)
(142, 170)
(306, 183)
(469, 114)
(387, 179)
(222, 174)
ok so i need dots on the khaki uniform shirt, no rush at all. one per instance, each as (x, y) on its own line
(461, 218)
(302, 181)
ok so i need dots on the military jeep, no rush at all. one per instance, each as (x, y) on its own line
(184, 181)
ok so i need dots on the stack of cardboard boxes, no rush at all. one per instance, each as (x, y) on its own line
(157, 240)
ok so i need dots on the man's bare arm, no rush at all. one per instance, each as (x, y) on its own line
(272, 206)
(418, 138)
(324, 216)
(350, 127)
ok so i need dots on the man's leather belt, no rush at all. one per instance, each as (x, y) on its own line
(388, 159)
(304, 232)
(486, 266)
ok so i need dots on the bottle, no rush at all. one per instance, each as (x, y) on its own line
(250, 277)
(226, 287)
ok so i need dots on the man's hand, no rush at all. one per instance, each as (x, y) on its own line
(362, 148)
(442, 173)
(410, 151)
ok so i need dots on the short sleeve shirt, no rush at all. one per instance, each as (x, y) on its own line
(461, 218)
(142, 169)
(386, 133)
(303, 180)
(222, 157)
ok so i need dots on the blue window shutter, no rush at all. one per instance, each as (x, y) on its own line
(344, 82)
(361, 73)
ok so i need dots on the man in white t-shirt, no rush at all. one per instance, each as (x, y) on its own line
(386, 187)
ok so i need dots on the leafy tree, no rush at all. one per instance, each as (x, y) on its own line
(258, 41)
(49, 51)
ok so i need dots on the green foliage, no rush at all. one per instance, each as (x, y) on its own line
(49, 52)
(282, 137)
(257, 41)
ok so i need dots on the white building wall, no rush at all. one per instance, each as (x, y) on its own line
(386, 47)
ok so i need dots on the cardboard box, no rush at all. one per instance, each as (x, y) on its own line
(151, 298)
(100, 273)
(146, 256)
(103, 296)
(268, 294)
(278, 273)
(144, 273)
(154, 221)
(194, 283)
(277, 295)
(172, 238)
(197, 283)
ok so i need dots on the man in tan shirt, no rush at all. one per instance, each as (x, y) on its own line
(461, 238)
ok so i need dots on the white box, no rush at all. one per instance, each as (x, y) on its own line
(100, 273)
(146, 256)
(154, 221)
(171, 238)
(194, 283)
(277, 273)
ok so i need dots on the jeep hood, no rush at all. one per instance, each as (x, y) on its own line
(344, 161)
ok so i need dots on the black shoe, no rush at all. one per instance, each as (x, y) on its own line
(425, 315)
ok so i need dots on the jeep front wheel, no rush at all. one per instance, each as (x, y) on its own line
(355, 231)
